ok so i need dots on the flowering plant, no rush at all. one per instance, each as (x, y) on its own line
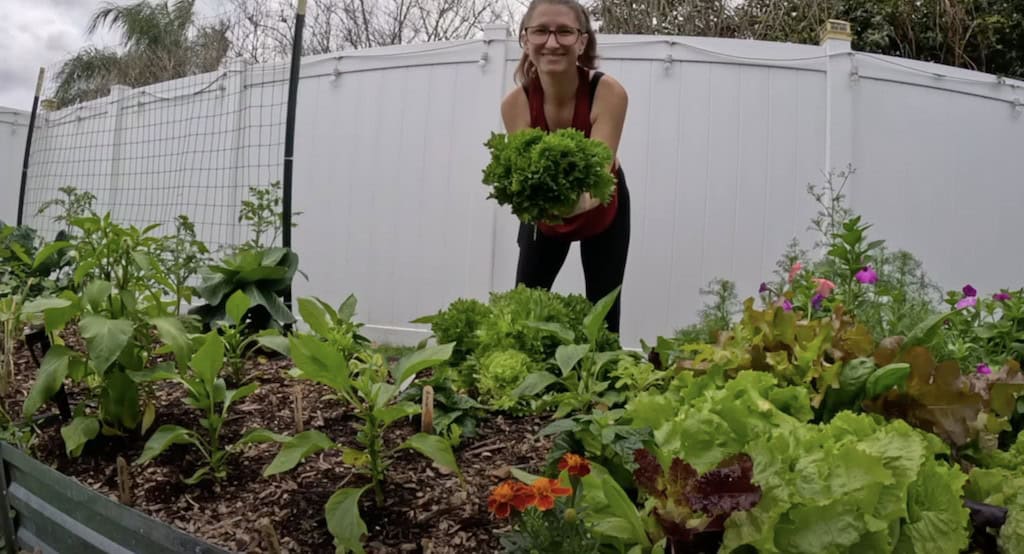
(545, 511)
(983, 332)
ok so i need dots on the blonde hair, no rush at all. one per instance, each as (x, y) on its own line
(525, 70)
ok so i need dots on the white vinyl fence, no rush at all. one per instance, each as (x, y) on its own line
(13, 131)
(721, 139)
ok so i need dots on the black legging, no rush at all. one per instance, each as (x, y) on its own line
(604, 257)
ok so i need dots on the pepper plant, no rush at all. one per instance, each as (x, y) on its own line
(368, 387)
(207, 392)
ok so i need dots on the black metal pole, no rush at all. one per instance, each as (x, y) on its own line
(28, 145)
(289, 137)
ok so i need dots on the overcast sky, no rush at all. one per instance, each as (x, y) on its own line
(37, 33)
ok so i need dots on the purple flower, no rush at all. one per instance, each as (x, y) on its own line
(984, 369)
(867, 275)
(763, 289)
(1001, 296)
(969, 291)
(966, 301)
(786, 304)
(816, 301)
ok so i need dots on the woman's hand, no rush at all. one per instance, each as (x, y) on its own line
(585, 203)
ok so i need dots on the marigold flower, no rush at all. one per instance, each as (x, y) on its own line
(510, 494)
(867, 275)
(825, 287)
(578, 466)
(546, 490)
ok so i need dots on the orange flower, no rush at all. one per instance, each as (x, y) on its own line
(546, 491)
(510, 494)
(578, 466)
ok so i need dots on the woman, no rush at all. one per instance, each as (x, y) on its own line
(560, 89)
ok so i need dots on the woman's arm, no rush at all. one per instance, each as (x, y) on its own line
(608, 117)
(515, 111)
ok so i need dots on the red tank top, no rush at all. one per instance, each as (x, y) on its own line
(596, 220)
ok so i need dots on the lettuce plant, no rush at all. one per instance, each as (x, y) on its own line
(879, 486)
(542, 175)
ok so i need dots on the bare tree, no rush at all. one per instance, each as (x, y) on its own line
(262, 30)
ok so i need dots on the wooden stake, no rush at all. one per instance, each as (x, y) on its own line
(297, 407)
(124, 482)
(270, 540)
(427, 410)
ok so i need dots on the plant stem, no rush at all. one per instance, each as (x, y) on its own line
(373, 450)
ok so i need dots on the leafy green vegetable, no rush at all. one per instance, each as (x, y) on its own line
(542, 175)
(260, 273)
(855, 484)
(501, 372)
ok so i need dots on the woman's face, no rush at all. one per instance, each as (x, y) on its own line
(554, 39)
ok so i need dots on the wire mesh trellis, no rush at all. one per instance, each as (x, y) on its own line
(191, 146)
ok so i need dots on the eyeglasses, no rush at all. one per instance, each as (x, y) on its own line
(565, 36)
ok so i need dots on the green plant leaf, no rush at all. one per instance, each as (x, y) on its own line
(238, 303)
(523, 476)
(76, 434)
(47, 251)
(567, 356)
(172, 332)
(347, 310)
(106, 338)
(260, 436)
(534, 383)
(885, 378)
(563, 333)
(160, 372)
(235, 395)
(276, 342)
(594, 320)
(924, 331)
(419, 360)
(313, 314)
(343, 520)
(296, 449)
(198, 476)
(209, 359)
(56, 312)
(119, 400)
(558, 427)
(148, 416)
(435, 448)
(162, 439)
(623, 508)
(319, 362)
(271, 301)
(53, 371)
(355, 458)
(397, 411)
(97, 294)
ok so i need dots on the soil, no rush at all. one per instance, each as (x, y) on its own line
(426, 509)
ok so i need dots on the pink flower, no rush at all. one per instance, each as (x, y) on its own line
(867, 275)
(794, 269)
(825, 287)
(984, 369)
(969, 291)
(1001, 296)
(967, 301)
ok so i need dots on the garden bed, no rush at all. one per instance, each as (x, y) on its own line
(426, 509)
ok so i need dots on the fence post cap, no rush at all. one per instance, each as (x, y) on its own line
(836, 29)
(496, 31)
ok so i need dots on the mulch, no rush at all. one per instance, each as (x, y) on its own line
(426, 509)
